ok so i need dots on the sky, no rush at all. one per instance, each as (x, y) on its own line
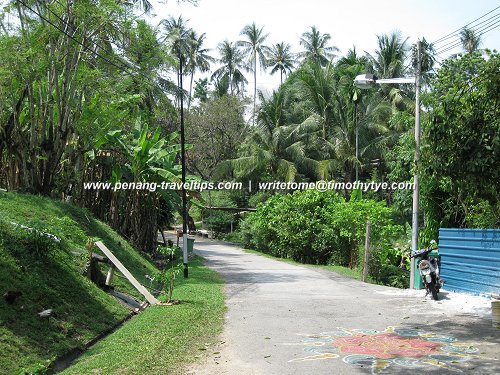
(350, 23)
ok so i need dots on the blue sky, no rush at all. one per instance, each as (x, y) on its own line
(348, 22)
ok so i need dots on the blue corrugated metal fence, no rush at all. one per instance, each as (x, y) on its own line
(470, 259)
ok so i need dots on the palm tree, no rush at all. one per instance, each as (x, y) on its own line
(347, 68)
(389, 58)
(389, 62)
(254, 48)
(198, 58)
(470, 40)
(427, 59)
(280, 58)
(316, 49)
(317, 88)
(178, 40)
(277, 149)
(232, 60)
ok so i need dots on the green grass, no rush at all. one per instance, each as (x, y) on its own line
(163, 339)
(50, 276)
(74, 225)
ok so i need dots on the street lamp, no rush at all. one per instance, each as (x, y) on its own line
(366, 81)
(183, 162)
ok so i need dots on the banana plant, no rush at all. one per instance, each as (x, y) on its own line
(145, 157)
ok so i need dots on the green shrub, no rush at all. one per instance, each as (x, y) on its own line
(234, 237)
(483, 215)
(318, 228)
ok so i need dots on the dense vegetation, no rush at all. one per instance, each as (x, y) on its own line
(100, 101)
(91, 92)
(323, 228)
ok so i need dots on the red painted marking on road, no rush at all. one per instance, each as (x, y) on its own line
(386, 345)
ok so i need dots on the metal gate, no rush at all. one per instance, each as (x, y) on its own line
(470, 260)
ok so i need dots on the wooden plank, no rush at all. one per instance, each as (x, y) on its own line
(137, 285)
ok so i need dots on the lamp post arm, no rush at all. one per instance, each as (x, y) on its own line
(397, 80)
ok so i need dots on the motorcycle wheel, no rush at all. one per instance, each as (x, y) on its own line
(433, 290)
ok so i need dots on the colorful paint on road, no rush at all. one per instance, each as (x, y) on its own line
(409, 348)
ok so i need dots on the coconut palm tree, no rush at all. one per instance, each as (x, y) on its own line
(198, 58)
(347, 68)
(317, 88)
(316, 48)
(178, 43)
(390, 56)
(254, 48)
(277, 149)
(233, 62)
(280, 58)
(470, 40)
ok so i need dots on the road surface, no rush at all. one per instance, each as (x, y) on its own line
(287, 319)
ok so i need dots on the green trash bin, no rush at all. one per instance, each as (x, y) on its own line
(418, 283)
(190, 244)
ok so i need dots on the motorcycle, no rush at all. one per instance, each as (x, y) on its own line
(429, 271)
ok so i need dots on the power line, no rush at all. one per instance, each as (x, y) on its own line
(66, 24)
(492, 20)
(124, 68)
(483, 32)
(458, 30)
(74, 39)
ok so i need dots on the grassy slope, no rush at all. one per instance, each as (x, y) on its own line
(81, 310)
(163, 339)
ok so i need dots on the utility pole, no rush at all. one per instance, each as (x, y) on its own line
(356, 100)
(183, 162)
(416, 187)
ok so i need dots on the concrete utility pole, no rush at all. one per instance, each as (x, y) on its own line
(416, 187)
(366, 81)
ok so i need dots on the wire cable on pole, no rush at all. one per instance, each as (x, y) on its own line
(458, 30)
(124, 68)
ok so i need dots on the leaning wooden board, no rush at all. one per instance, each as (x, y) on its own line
(137, 285)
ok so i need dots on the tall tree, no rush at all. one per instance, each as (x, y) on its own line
(316, 47)
(461, 155)
(389, 62)
(233, 62)
(254, 48)
(317, 88)
(198, 59)
(179, 43)
(390, 55)
(427, 59)
(470, 40)
(278, 150)
(280, 58)
(215, 128)
(62, 82)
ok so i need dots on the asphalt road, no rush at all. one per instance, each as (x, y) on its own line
(287, 319)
